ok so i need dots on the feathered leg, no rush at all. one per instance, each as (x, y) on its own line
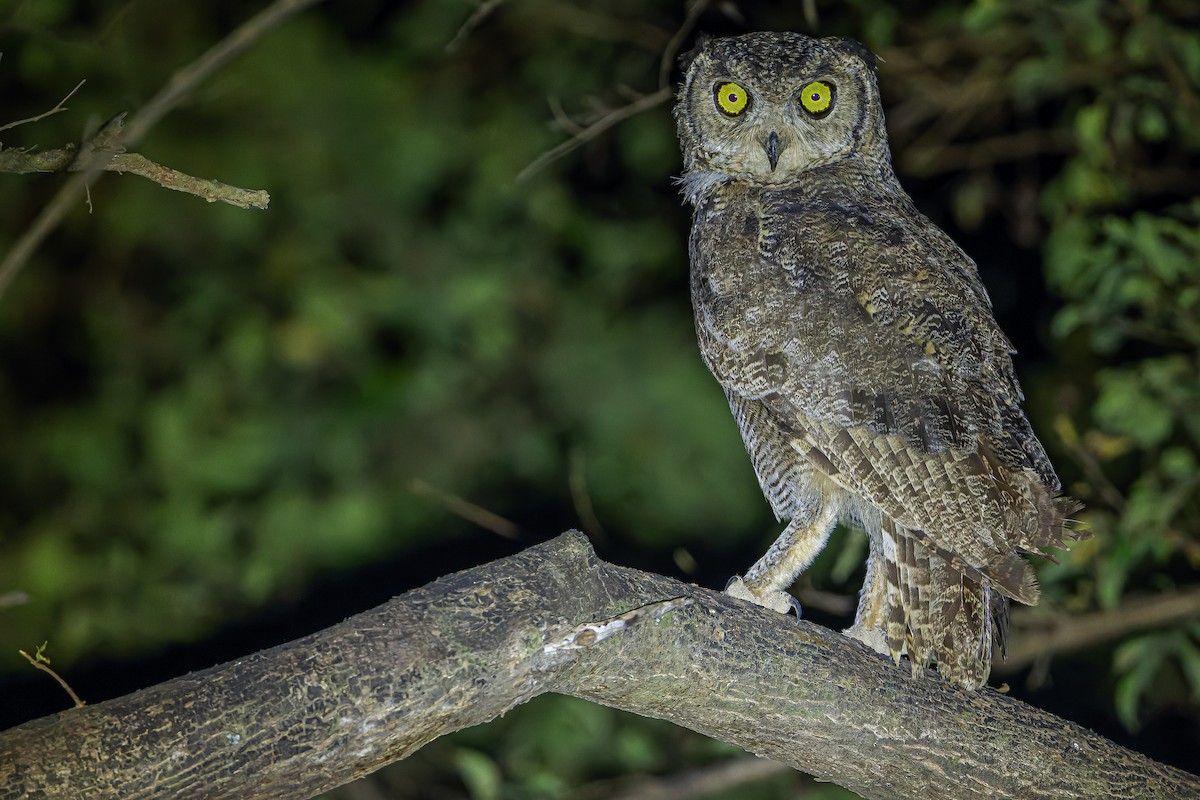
(767, 581)
(871, 620)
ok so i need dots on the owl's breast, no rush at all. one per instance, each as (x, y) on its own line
(751, 286)
(805, 292)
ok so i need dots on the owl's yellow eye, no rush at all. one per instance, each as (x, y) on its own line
(817, 98)
(732, 99)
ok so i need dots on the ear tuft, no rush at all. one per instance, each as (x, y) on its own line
(686, 59)
(857, 48)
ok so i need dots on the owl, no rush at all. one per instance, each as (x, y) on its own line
(857, 347)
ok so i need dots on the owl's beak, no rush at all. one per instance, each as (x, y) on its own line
(771, 145)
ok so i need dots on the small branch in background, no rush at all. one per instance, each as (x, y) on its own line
(581, 498)
(482, 12)
(581, 134)
(185, 81)
(14, 598)
(939, 158)
(839, 605)
(1038, 637)
(669, 52)
(57, 108)
(598, 127)
(1083, 451)
(702, 782)
(561, 118)
(40, 661)
(72, 158)
(810, 15)
(461, 507)
(180, 85)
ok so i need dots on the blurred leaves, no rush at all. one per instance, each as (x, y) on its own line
(1136, 277)
(1152, 669)
(1123, 250)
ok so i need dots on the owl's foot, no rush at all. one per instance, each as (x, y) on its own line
(872, 636)
(774, 599)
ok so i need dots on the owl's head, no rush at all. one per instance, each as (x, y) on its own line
(765, 107)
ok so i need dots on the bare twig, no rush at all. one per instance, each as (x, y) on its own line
(178, 87)
(582, 498)
(839, 605)
(672, 49)
(1039, 634)
(185, 81)
(700, 782)
(461, 507)
(41, 662)
(210, 190)
(1082, 451)
(638, 103)
(57, 108)
(482, 12)
(598, 127)
(14, 598)
(580, 19)
(561, 118)
(939, 157)
(810, 15)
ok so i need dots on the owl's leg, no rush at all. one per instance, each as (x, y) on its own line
(767, 581)
(874, 605)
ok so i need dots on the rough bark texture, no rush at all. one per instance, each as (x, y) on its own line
(299, 719)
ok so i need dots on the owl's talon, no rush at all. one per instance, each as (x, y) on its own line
(774, 599)
(873, 637)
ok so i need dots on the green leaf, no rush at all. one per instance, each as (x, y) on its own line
(1125, 407)
(480, 773)
(1189, 660)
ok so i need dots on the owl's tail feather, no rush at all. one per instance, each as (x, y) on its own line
(1044, 531)
(972, 618)
(907, 595)
(1003, 568)
(1039, 515)
(939, 615)
(1008, 573)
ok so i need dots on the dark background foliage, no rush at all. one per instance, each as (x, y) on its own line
(224, 428)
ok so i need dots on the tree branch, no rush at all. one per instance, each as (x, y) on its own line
(580, 135)
(614, 117)
(178, 87)
(59, 106)
(1041, 636)
(722, 776)
(304, 717)
(70, 159)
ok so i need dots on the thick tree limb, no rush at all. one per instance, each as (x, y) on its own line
(301, 718)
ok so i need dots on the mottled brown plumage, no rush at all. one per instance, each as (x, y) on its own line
(857, 347)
